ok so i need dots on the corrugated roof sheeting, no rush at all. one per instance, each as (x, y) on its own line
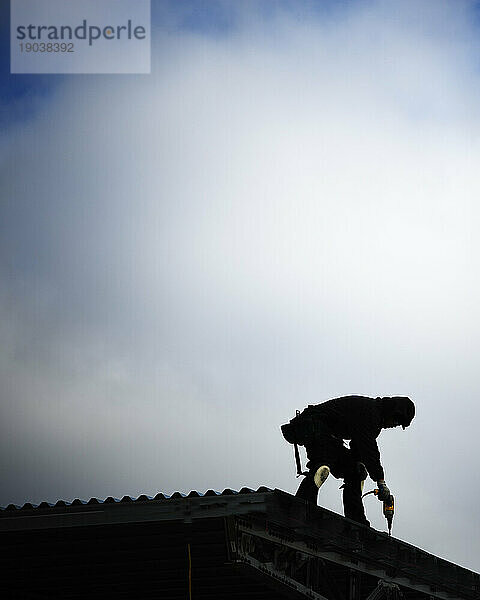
(243, 544)
(124, 499)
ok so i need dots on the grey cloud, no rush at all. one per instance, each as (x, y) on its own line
(272, 218)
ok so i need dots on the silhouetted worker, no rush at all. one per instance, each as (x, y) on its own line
(321, 428)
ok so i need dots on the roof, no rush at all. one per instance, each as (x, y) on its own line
(142, 498)
(258, 544)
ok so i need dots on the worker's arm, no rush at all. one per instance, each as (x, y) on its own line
(383, 491)
(364, 444)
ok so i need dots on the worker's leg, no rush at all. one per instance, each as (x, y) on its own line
(352, 492)
(308, 489)
(322, 454)
(312, 483)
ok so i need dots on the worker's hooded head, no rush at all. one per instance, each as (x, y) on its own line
(397, 410)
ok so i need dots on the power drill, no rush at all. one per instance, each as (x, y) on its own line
(388, 508)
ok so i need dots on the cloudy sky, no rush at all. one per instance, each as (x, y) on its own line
(284, 211)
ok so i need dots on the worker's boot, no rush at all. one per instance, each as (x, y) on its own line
(321, 475)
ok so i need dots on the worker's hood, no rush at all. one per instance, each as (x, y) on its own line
(399, 408)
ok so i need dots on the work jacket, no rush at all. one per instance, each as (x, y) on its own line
(358, 419)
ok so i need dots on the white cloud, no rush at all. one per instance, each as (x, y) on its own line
(272, 218)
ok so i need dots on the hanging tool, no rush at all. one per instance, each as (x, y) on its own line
(297, 455)
(388, 508)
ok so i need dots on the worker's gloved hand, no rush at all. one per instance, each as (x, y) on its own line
(383, 491)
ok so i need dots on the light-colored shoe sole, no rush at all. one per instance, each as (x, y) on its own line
(321, 475)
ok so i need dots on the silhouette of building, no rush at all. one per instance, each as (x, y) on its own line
(256, 545)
